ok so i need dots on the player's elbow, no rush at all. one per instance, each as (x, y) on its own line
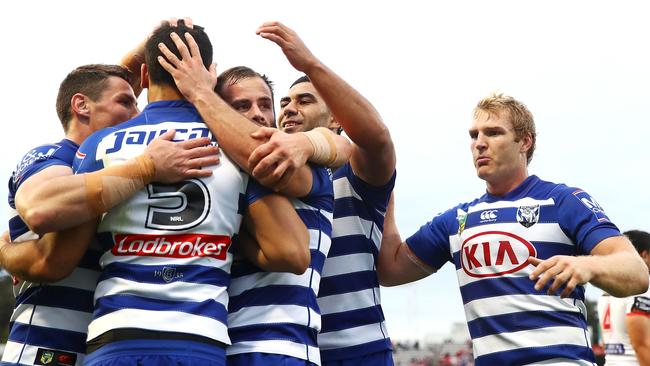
(37, 219)
(386, 278)
(296, 256)
(637, 281)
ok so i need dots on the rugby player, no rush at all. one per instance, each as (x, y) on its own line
(522, 252)
(353, 330)
(161, 298)
(50, 321)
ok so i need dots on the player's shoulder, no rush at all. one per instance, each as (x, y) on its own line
(62, 151)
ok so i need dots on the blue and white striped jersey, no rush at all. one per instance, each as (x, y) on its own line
(353, 321)
(277, 312)
(167, 264)
(49, 321)
(489, 241)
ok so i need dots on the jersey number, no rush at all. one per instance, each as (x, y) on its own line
(179, 206)
(607, 322)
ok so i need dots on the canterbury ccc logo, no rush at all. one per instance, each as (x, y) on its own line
(489, 215)
(172, 246)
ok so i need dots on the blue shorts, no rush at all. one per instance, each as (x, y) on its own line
(157, 353)
(266, 359)
(383, 358)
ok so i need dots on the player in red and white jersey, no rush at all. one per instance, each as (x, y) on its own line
(625, 322)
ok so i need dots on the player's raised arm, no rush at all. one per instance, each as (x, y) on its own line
(233, 130)
(373, 159)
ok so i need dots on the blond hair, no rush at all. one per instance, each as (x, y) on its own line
(522, 120)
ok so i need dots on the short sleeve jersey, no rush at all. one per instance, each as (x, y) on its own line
(489, 241)
(167, 261)
(349, 297)
(276, 312)
(49, 321)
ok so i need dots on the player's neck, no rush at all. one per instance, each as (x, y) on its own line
(502, 186)
(156, 93)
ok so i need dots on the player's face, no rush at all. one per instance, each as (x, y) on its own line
(115, 104)
(497, 156)
(303, 110)
(252, 98)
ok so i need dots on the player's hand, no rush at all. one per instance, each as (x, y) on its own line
(189, 73)
(186, 20)
(274, 162)
(292, 46)
(177, 161)
(561, 270)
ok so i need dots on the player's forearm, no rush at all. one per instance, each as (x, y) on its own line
(28, 260)
(133, 61)
(57, 205)
(231, 128)
(233, 132)
(620, 274)
(360, 120)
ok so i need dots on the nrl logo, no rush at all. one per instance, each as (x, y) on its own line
(528, 215)
(461, 216)
(46, 357)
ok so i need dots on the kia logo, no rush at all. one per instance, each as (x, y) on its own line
(495, 253)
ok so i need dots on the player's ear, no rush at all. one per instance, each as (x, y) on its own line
(334, 125)
(527, 143)
(144, 76)
(80, 106)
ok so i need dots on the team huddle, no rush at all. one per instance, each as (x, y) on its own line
(200, 231)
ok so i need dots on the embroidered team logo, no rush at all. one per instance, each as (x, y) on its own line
(461, 216)
(528, 215)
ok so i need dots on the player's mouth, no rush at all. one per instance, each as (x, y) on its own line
(290, 125)
(482, 160)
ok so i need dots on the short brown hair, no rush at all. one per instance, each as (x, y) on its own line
(89, 80)
(520, 117)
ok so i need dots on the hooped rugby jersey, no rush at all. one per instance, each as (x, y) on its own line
(353, 322)
(167, 261)
(49, 321)
(612, 312)
(277, 312)
(489, 241)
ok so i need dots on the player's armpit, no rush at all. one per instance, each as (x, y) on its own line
(281, 236)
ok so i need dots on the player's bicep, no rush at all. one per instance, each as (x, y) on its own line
(31, 188)
(279, 232)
